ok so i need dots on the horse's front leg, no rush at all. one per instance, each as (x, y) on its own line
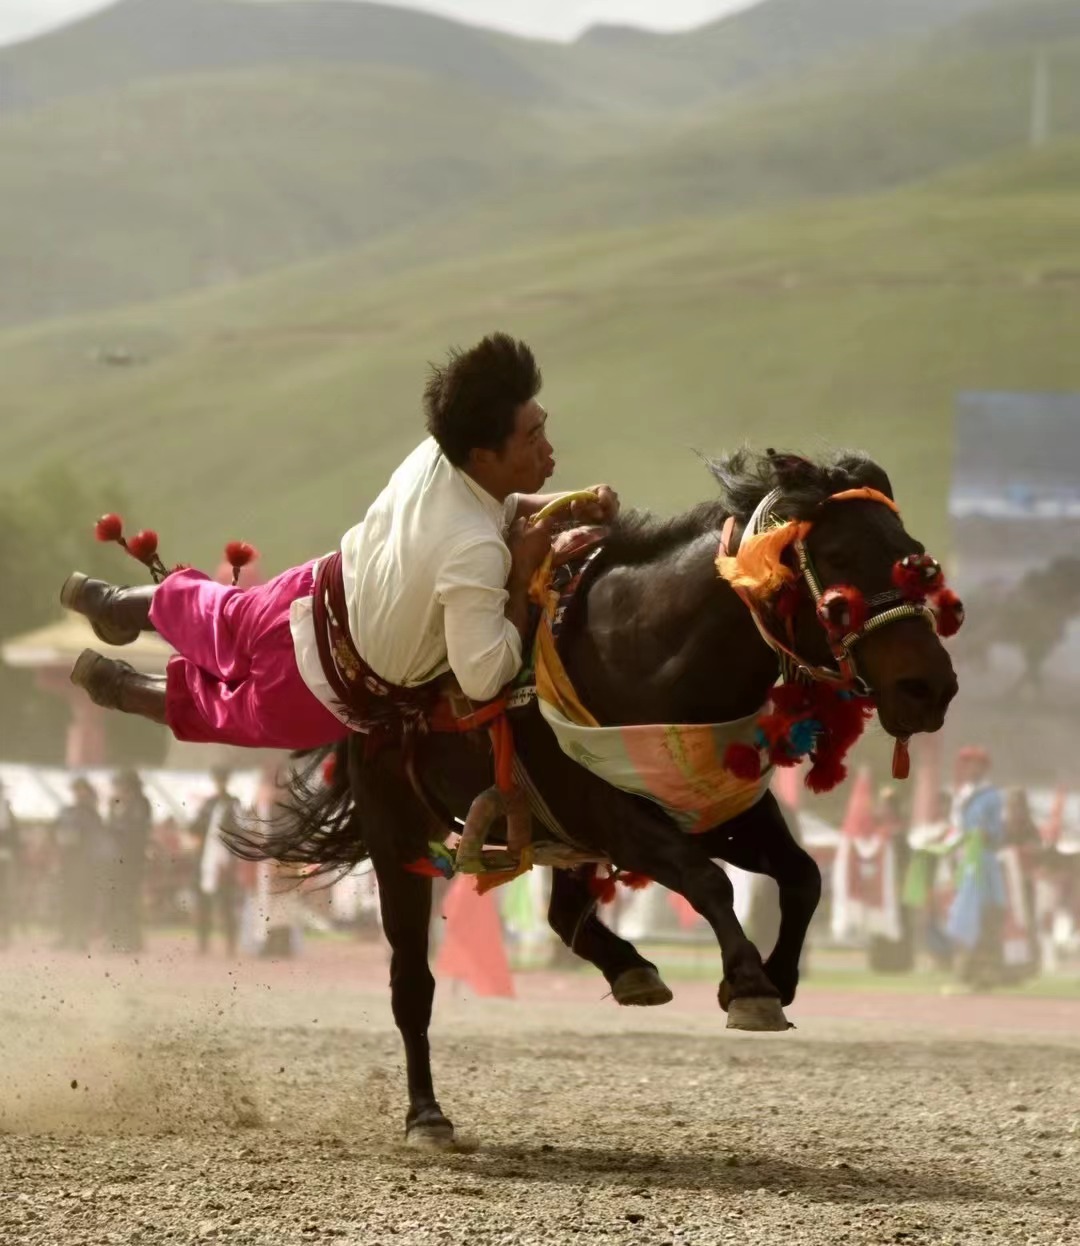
(656, 847)
(395, 826)
(761, 842)
(572, 915)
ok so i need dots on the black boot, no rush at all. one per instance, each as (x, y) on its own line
(115, 685)
(117, 615)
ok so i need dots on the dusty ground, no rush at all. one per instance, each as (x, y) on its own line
(175, 1101)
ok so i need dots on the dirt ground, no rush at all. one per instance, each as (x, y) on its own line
(173, 1100)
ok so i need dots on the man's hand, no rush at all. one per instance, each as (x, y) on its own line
(529, 546)
(602, 511)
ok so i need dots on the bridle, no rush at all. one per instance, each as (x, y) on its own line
(847, 617)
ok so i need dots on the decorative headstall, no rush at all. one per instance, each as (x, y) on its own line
(821, 711)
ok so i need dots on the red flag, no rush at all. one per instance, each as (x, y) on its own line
(472, 949)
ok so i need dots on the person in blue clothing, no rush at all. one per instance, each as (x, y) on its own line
(977, 916)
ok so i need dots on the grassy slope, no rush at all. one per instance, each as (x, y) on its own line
(275, 411)
(180, 182)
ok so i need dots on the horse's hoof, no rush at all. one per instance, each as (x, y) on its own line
(641, 987)
(431, 1131)
(760, 1014)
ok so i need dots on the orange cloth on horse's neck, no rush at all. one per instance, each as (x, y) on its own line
(758, 567)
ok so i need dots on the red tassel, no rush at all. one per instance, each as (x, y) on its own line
(636, 882)
(109, 528)
(143, 546)
(743, 761)
(602, 887)
(901, 760)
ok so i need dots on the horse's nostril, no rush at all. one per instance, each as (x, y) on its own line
(917, 690)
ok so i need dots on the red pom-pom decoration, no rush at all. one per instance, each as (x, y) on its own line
(743, 761)
(827, 772)
(239, 553)
(143, 545)
(917, 576)
(602, 887)
(949, 610)
(109, 528)
(636, 882)
(842, 609)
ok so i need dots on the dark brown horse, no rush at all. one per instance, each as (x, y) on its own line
(658, 637)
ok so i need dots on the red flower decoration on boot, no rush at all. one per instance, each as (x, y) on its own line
(143, 546)
(109, 528)
(239, 554)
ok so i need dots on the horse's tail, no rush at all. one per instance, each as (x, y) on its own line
(317, 823)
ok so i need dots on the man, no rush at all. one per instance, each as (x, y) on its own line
(215, 868)
(977, 917)
(10, 854)
(79, 839)
(435, 578)
(129, 826)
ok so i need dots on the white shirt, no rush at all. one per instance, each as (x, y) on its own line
(425, 580)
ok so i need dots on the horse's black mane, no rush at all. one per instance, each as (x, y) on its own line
(745, 477)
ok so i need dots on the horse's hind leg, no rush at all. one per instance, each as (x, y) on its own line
(572, 915)
(396, 832)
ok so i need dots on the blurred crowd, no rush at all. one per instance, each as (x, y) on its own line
(105, 870)
(982, 888)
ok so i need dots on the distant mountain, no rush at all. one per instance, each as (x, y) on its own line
(137, 40)
(611, 68)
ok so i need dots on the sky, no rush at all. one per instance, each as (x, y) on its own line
(554, 19)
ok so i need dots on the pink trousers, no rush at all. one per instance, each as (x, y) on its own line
(235, 679)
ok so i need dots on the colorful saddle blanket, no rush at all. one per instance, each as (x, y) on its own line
(678, 766)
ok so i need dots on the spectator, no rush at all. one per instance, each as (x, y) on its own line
(215, 877)
(79, 839)
(129, 835)
(10, 859)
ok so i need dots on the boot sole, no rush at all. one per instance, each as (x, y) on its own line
(85, 665)
(70, 597)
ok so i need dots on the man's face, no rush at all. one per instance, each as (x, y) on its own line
(973, 770)
(525, 459)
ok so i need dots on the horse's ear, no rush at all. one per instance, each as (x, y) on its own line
(863, 472)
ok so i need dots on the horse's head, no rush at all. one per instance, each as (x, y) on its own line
(828, 578)
(903, 662)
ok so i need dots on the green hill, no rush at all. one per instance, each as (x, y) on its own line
(275, 410)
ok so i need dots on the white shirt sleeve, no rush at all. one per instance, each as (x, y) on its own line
(482, 646)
